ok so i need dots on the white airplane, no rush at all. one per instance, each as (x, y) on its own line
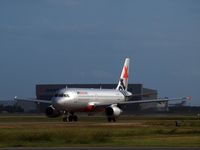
(67, 101)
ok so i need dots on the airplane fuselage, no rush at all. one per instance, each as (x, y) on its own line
(77, 99)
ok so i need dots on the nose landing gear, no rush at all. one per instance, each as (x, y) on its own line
(70, 118)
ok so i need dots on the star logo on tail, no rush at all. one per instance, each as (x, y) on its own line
(125, 73)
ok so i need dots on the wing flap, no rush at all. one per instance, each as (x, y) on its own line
(155, 100)
(99, 105)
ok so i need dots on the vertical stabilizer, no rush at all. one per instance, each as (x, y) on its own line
(123, 81)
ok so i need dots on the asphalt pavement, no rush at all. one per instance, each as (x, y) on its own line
(99, 148)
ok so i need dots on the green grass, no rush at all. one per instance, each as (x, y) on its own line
(39, 131)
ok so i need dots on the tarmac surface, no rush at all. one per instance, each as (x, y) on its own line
(100, 148)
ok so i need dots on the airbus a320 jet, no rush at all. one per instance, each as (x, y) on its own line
(68, 101)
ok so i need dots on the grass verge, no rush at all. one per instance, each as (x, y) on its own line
(43, 132)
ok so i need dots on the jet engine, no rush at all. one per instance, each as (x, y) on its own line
(113, 110)
(51, 112)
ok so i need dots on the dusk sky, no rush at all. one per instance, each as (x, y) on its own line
(86, 41)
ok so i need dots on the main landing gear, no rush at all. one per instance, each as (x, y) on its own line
(70, 118)
(111, 119)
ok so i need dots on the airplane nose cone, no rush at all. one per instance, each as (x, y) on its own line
(58, 103)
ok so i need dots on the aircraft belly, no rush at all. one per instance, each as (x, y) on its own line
(81, 103)
(77, 105)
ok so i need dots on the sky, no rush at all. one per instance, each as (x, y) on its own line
(86, 41)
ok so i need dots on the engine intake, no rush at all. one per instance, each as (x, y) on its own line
(51, 112)
(113, 111)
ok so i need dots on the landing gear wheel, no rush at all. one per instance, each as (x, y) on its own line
(65, 119)
(75, 118)
(70, 118)
(111, 119)
(65, 116)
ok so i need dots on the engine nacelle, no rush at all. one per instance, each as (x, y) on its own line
(113, 110)
(51, 112)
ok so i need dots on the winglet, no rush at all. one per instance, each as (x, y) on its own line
(189, 97)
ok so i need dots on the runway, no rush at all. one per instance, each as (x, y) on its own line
(100, 148)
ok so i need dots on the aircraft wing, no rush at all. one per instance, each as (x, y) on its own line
(32, 100)
(99, 105)
(155, 100)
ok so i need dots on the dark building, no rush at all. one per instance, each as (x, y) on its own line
(46, 91)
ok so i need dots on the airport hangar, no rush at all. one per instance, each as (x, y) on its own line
(46, 91)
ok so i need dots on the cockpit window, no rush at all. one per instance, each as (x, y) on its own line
(61, 95)
(66, 95)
